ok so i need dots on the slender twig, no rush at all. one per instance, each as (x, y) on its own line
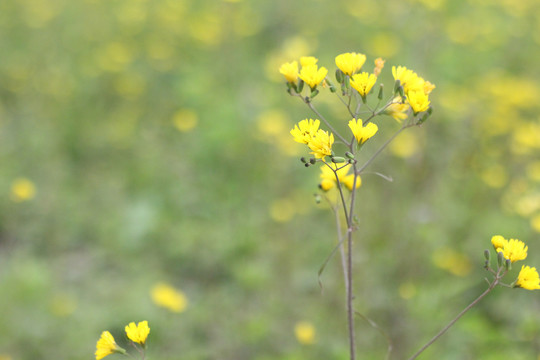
(470, 306)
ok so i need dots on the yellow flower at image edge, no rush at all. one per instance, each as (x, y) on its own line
(138, 333)
(107, 346)
(321, 144)
(305, 130)
(305, 333)
(528, 278)
(312, 75)
(168, 297)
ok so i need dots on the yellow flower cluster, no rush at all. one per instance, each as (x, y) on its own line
(515, 250)
(415, 88)
(106, 344)
(362, 133)
(310, 73)
(307, 132)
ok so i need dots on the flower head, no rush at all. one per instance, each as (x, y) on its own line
(312, 75)
(107, 346)
(321, 144)
(418, 100)
(397, 110)
(528, 278)
(138, 333)
(514, 250)
(363, 82)
(498, 242)
(328, 178)
(379, 64)
(350, 63)
(290, 71)
(360, 132)
(305, 130)
(308, 60)
(406, 77)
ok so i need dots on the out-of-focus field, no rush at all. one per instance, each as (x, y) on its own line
(146, 142)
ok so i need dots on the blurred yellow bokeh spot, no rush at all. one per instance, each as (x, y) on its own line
(452, 261)
(405, 145)
(282, 210)
(62, 305)
(304, 332)
(22, 189)
(5, 357)
(407, 290)
(535, 223)
(494, 176)
(168, 297)
(185, 120)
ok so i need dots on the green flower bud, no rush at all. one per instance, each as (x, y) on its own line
(508, 264)
(300, 86)
(487, 255)
(339, 76)
(380, 95)
(349, 154)
(397, 85)
(338, 159)
(314, 93)
(500, 259)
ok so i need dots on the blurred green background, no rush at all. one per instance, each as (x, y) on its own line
(146, 142)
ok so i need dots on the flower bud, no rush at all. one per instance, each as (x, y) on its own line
(300, 86)
(303, 159)
(317, 198)
(314, 93)
(397, 85)
(487, 255)
(339, 76)
(500, 259)
(349, 155)
(338, 159)
(400, 91)
(380, 95)
(508, 264)
(312, 161)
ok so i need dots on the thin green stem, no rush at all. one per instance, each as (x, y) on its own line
(470, 306)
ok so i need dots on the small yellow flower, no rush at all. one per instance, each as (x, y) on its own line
(290, 71)
(107, 346)
(498, 242)
(308, 60)
(305, 333)
(379, 64)
(328, 179)
(418, 100)
(405, 76)
(22, 189)
(363, 82)
(168, 297)
(138, 333)
(350, 63)
(428, 87)
(528, 278)
(397, 110)
(305, 130)
(312, 75)
(321, 144)
(360, 132)
(514, 250)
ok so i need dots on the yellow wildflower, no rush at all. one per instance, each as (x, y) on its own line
(312, 75)
(514, 250)
(308, 60)
(363, 82)
(168, 297)
(350, 63)
(498, 242)
(379, 64)
(528, 278)
(305, 130)
(22, 189)
(107, 346)
(397, 110)
(407, 78)
(321, 144)
(305, 333)
(428, 87)
(138, 333)
(328, 179)
(360, 132)
(290, 71)
(418, 100)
